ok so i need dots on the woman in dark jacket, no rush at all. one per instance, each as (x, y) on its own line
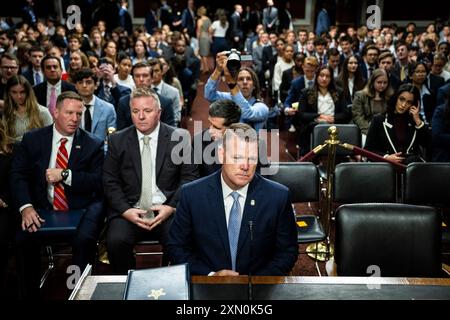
(399, 134)
(323, 103)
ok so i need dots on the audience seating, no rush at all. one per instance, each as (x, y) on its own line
(429, 184)
(302, 179)
(397, 240)
(359, 182)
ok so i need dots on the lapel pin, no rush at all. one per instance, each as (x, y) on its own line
(77, 147)
(252, 202)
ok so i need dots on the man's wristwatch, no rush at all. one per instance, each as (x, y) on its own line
(65, 174)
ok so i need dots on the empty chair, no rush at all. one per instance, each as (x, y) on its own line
(429, 184)
(347, 133)
(302, 179)
(359, 182)
(394, 240)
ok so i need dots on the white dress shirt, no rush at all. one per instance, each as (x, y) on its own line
(325, 104)
(91, 111)
(157, 196)
(228, 199)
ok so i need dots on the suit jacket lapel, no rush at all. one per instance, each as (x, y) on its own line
(163, 138)
(76, 148)
(97, 114)
(47, 147)
(217, 209)
(135, 153)
(249, 212)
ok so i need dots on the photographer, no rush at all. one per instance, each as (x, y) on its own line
(244, 91)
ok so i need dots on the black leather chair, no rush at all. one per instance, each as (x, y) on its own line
(302, 179)
(429, 184)
(359, 182)
(347, 133)
(399, 240)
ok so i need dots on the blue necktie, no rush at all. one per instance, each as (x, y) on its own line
(37, 78)
(234, 226)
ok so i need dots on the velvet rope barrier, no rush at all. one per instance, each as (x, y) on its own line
(307, 157)
(372, 156)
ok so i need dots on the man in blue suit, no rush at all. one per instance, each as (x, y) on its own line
(98, 115)
(58, 168)
(243, 230)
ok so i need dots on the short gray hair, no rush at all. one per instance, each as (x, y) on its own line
(145, 92)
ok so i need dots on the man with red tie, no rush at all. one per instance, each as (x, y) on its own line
(57, 168)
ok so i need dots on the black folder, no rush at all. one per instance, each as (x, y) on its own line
(57, 222)
(165, 283)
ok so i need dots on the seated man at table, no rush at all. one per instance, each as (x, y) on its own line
(235, 221)
(57, 168)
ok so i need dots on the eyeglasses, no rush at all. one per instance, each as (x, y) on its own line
(10, 67)
(406, 102)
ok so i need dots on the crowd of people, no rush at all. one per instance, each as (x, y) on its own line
(62, 91)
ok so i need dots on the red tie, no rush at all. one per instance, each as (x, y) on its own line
(59, 196)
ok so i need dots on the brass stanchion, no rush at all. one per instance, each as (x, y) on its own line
(323, 250)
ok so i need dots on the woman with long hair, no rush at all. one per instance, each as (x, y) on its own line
(78, 61)
(21, 111)
(323, 103)
(350, 79)
(140, 52)
(218, 32)
(417, 76)
(371, 100)
(399, 134)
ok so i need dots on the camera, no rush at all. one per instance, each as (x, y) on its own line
(234, 61)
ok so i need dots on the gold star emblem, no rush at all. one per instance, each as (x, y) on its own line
(156, 293)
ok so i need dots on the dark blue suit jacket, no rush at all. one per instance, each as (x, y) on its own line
(31, 161)
(294, 91)
(124, 113)
(199, 235)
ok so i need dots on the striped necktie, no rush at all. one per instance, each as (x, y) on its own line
(59, 196)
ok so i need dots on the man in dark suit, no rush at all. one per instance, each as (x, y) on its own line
(57, 168)
(46, 92)
(188, 19)
(242, 231)
(143, 79)
(125, 18)
(143, 172)
(222, 113)
(34, 74)
(237, 35)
